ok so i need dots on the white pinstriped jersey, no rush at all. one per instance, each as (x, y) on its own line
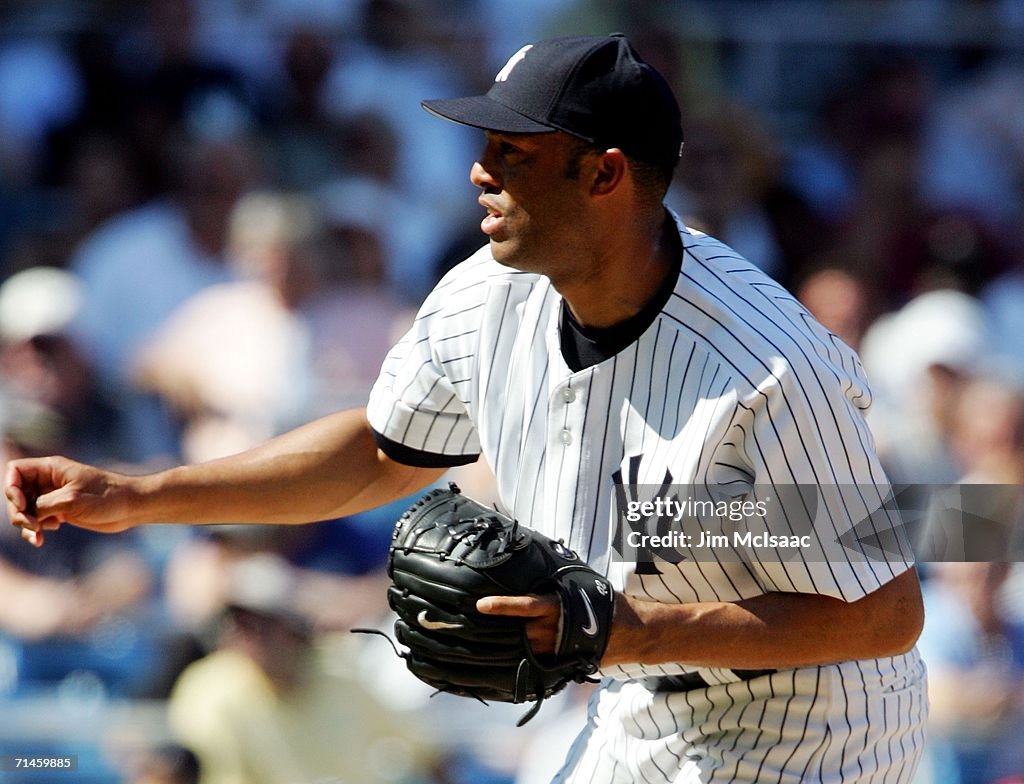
(732, 381)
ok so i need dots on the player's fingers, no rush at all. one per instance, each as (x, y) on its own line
(24, 475)
(12, 476)
(17, 501)
(542, 614)
(16, 497)
(520, 606)
(22, 511)
(32, 528)
(19, 518)
(62, 504)
(34, 538)
(23, 520)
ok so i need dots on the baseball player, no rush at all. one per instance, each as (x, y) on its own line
(597, 343)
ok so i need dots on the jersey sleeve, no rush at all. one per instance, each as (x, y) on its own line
(810, 453)
(419, 405)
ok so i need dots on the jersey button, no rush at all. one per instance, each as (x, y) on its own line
(565, 437)
(568, 394)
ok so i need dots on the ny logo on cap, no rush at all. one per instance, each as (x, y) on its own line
(513, 61)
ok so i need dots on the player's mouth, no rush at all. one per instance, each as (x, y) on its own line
(493, 221)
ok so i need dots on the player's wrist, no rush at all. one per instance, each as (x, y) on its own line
(646, 632)
(626, 642)
(153, 498)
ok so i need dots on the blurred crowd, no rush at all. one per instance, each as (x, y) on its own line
(217, 215)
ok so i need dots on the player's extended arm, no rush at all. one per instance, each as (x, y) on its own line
(775, 630)
(328, 468)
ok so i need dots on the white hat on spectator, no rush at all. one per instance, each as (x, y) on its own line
(267, 585)
(38, 301)
(944, 327)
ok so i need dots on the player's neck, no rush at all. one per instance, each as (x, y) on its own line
(629, 270)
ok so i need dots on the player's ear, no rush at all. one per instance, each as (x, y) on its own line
(610, 169)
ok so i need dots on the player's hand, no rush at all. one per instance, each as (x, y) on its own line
(543, 613)
(44, 493)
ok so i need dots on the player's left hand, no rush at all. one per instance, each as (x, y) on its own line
(542, 611)
(491, 609)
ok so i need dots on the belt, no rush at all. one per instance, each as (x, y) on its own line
(688, 681)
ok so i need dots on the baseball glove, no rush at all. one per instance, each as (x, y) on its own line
(447, 552)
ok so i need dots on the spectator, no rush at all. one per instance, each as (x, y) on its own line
(982, 517)
(919, 360)
(141, 265)
(71, 601)
(269, 705)
(233, 359)
(974, 640)
(840, 300)
(304, 327)
(43, 369)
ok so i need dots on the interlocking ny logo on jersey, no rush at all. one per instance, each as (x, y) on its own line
(513, 61)
(628, 489)
(426, 623)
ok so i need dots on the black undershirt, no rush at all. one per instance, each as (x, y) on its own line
(584, 347)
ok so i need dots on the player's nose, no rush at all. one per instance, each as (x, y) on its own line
(482, 178)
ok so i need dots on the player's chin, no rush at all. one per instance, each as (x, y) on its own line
(502, 253)
(510, 253)
(500, 244)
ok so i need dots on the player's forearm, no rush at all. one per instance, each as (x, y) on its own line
(328, 468)
(776, 630)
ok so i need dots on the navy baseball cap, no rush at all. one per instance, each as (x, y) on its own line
(594, 87)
